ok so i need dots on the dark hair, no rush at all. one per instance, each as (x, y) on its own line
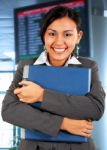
(56, 13)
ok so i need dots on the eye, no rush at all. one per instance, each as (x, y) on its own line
(51, 34)
(68, 34)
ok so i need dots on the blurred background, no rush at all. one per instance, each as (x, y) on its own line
(17, 41)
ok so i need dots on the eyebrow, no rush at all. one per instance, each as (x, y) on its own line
(64, 31)
(52, 30)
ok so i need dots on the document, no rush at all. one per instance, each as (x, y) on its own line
(67, 80)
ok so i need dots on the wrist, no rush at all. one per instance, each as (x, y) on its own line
(41, 97)
(64, 124)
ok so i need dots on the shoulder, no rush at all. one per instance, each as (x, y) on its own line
(87, 62)
(23, 62)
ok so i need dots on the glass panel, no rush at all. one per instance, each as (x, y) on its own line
(6, 75)
(6, 131)
(5, 80)
(7, 66)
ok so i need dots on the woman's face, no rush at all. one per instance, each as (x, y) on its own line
(60, 39)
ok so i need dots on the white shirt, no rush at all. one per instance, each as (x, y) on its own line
(43, 59)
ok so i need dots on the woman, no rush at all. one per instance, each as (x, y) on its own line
(60, 34)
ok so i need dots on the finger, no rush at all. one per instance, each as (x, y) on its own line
(21, 98)
(21, 95)
(17, 90)
(24, 82)
(89, 122)
(87, 133)
(90, 127)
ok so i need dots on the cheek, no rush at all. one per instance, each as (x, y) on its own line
(71, 43)
(45, 38)
(48, 42)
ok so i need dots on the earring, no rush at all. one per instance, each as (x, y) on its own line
(44, 48)
(76, 51)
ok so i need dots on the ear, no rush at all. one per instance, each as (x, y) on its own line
(80, 34)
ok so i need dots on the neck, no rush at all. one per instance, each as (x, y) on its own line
(57, 63)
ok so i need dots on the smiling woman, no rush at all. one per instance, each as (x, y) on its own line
(60, 34)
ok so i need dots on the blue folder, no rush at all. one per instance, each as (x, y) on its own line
(67, 80)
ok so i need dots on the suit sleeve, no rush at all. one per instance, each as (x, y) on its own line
(90, 106)
(23, 115)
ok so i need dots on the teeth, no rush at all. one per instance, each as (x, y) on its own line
(59, 49)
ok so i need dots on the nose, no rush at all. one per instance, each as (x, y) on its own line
(59, 40)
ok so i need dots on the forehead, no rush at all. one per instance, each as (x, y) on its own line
(64, 23)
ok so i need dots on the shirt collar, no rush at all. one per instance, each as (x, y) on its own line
(42, 59)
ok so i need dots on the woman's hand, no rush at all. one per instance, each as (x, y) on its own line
(29, 92)
(77, 127)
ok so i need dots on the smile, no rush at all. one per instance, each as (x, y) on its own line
(59, 50)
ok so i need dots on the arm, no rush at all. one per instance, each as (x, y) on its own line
(90, 106)
(23, 115)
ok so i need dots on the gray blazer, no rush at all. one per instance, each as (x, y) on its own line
(55, 107)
